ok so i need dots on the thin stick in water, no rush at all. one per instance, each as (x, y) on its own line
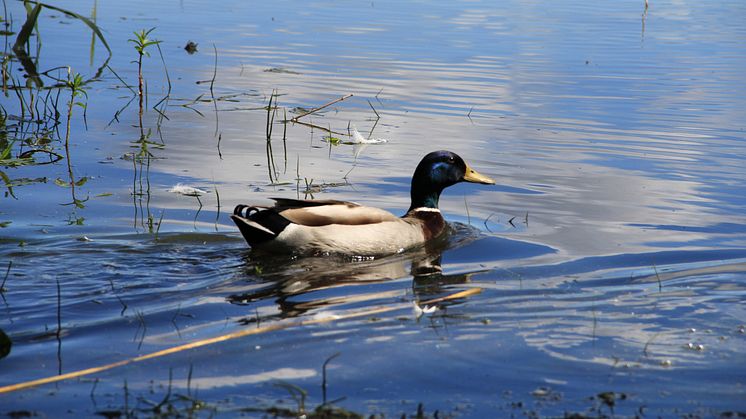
(295, 119)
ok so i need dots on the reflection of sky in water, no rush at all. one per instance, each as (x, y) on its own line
(621, 128)
(634, 136)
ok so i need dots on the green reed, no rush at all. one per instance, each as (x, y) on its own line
(141, 43)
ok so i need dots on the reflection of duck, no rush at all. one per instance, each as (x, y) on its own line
(298, 226)
(300, 285)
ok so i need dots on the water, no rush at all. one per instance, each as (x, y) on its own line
(606, 269)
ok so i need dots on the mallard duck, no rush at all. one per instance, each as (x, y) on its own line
(329, 226)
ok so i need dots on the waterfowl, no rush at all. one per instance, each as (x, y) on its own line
(329, 226)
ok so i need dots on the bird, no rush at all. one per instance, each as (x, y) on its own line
(317, 227)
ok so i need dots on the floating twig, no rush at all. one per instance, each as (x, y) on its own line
(296, 118)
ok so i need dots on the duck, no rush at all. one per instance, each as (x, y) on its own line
(295, 226)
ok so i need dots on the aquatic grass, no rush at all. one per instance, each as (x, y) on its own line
(21, 47)
(658, 278)
(22, 41)
(141, 324)
(92, 48)
(284, 140)
(75, 84)
(141, 190)
(271, 112)
(189, 404)
(217, 198)
(141, 43)
(212, 91)
(378, 116)
(158, 228)
(5, 153)
(5, 279)
(8, 184)
(164, 99)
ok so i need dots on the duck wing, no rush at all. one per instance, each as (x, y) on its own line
(312, 214)
(259, 224)
(302, 203)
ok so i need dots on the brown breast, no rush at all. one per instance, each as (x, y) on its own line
(432, 221)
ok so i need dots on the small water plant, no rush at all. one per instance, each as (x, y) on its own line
(76, 84)
(141, 43)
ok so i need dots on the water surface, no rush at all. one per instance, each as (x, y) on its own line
(606, 269)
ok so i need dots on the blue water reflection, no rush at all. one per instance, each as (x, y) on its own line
(608, 260)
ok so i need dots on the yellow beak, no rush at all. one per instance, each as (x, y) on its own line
(475, 177)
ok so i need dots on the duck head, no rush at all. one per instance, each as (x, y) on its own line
(437, 171)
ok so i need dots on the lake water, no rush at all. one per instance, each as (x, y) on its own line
(605, 273)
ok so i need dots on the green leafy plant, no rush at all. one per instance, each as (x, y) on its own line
(76, 84)
(141, 43)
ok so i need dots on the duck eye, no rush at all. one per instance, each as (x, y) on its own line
(451, 159)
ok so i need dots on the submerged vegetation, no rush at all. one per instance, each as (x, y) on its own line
(31, 131)
(36, 129)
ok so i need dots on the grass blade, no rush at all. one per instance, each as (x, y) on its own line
(28, 26)
(83, 19)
